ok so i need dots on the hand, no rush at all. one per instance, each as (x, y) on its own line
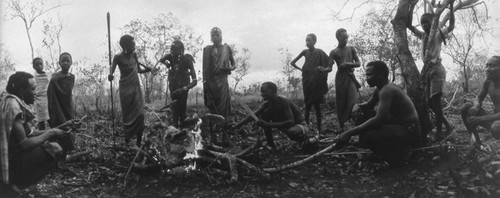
(342, 140)
(474, 109)
(57, 132)
(262, 123)
(356, 108)
(182, 89)
(321, 69)
(111, 77)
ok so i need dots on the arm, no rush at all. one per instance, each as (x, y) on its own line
(412, 28)
(355, 57)
(329, 64)
(288, 122)
(370, 104)
(295, 60)
(231, 59)
(452, 19)
(163, 60)
(385, 102)
(144, 68)
(478, 101)
(113, 67)
(25, 143)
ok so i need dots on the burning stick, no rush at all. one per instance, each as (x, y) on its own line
(245, 106)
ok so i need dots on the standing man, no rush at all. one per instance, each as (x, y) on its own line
(433, 73)
(218, 62)
(346, 85)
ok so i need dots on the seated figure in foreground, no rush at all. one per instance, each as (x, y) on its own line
(394, 129)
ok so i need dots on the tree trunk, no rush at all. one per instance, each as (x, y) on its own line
(409, 69)
(466, 79)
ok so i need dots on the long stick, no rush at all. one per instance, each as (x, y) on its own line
(111, 82)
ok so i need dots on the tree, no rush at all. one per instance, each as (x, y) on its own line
(462, 47)
(374, 40)
(52, 32)
(293, 82)
(153, 40)
(242, 63)
(29, 12)
(7, 67)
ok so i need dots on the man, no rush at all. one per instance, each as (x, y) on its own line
(395, 127)
(181, 68)
(218, 62)
(280, 113)
(433, 72)
(346, 85)
(26, 155)
(474, 115)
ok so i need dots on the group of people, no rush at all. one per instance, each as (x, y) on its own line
(388, 122)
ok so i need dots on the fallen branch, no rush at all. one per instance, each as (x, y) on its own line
(440, 145)
(77, 155)
(340, 153)
(131, 164)
(300, 162)
(250, 148)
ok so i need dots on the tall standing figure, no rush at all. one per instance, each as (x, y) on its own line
(60, 93)
(433, 72)
(180, 67)
(314, 76)
(346, 85)
(131, 99)
(218, 62)
(42, 83)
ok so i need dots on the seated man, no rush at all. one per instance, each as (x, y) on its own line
(394, 128)
(473, 115)
(278, 112)
(26, 155)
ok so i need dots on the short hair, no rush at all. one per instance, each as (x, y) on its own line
(497, 58)
(17, 82)
(215, 30)
(427, 16)
(313, 36)
(65, 53)
(125, 39)
(379, 67)
(37, 58)
(271, 86)
(339, 32)
(177, 43)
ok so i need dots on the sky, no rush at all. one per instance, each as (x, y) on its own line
(262, 26)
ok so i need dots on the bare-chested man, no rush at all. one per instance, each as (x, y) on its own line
(474, 115)
(395, 128)
(278, 112)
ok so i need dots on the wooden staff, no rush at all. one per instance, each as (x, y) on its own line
(111, 82)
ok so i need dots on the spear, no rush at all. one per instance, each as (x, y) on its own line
(111, 82)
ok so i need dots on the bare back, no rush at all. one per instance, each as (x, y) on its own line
(402, 110)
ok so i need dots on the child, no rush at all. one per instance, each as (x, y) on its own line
(346, 85)
(433, 72)
(314, 77)
(181, 67)
(42, 82)
(130, 89)
(60, 93)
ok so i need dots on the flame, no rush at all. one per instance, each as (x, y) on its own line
(196, 136)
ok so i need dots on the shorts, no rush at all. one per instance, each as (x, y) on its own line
(435, 79)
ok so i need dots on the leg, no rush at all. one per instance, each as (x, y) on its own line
(435, 105)
(182, 108)
(471, 128)
(297, 132)
(33, 166)
(269, 136)
(308, 109)
(391, 142)
(318, 115)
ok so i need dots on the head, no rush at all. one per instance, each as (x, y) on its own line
(65, 61)
(311, 40)
(127, 43)
(38, 64)
(22, 85)
(177, 48)
(493, 68)
(342, 37)
(268, 90)
(426, 22)
(377, 73)
(216, 35)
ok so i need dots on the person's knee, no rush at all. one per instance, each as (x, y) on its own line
(495, 129)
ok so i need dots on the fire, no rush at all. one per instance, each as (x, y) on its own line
(195, 135)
